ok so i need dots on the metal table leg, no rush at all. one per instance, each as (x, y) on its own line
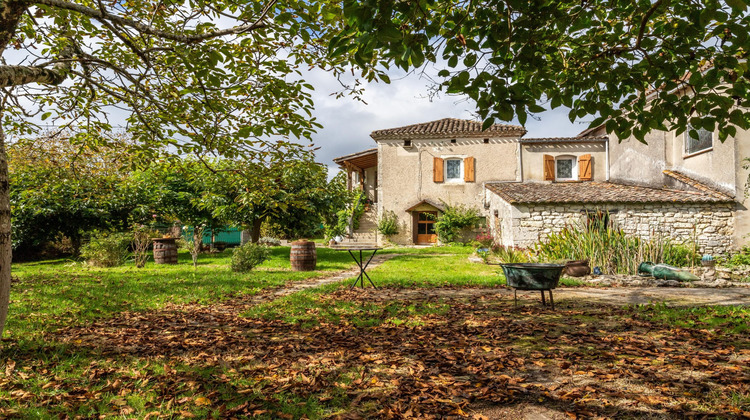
(362, 269)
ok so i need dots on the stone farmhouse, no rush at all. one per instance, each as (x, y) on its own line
(688, 189)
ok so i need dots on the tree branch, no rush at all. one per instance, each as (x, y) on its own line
(644, 21)
(150, 30)
(21, 75)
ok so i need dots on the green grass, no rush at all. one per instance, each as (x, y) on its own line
(453, 249)
(50, 294)
(420, 271)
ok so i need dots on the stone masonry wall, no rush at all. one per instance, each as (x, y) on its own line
(711, 226)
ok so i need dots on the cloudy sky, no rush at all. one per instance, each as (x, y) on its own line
(347, 123)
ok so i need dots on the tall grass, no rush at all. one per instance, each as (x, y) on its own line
(612, 249)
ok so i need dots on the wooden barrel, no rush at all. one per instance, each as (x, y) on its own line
(303, 256)
(165, 251)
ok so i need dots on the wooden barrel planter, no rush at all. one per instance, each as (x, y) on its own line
(165, 251)
(303, 256)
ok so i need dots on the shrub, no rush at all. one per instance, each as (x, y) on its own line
(333, 231)
(388, 224)
(485, 239)
(106, 249)
(248, 256)
(739, 259)
(269, 241)
(354, 210)
(680, 255)
(452, 220)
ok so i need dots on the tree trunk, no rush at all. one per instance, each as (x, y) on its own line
(5, 244)
(255, 233)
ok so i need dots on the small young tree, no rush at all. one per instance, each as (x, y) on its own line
(193, 241)
(142, 235)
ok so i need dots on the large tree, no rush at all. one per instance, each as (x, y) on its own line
(218, 76)
(635, 65)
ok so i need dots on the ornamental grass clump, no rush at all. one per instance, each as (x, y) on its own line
(248, 256)
(510, 254)
(611, 249)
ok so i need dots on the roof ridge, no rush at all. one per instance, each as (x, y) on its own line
(447, 127)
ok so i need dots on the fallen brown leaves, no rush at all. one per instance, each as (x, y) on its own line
(587, 361)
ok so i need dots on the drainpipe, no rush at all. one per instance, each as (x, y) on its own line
(606, 158)
(419, 172)
(520, 162)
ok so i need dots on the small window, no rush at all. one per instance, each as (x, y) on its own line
(454, 170)
(481, 223)
(486, 141)
(704, 141)
(453, 141)
(407, 143)
(565, 168)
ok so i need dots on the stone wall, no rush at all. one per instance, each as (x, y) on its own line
(711, 226)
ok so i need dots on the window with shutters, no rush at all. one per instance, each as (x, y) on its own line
(566, 168)
(454, 170)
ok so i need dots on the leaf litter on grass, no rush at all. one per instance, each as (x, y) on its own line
(190, 360)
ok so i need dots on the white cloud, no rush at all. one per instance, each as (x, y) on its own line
(347, 123)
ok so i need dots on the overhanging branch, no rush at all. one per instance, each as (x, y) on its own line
(21, 75)
(103, 15)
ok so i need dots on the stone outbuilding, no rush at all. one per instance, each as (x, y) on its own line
(523, 213)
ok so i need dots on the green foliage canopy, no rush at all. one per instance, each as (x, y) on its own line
(59, 188)
(222, 76)
(633, 65)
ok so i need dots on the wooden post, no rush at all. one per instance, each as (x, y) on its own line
(348, 176)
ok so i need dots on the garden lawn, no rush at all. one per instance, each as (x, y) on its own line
(50, 294)
(396, 351)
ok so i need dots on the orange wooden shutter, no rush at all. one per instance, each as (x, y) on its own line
(584, 168)
(469, 169)
(549, 168)
(437, 170)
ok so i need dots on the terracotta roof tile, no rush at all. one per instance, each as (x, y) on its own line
(594, 192)
(447, 128)
(695, 184)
